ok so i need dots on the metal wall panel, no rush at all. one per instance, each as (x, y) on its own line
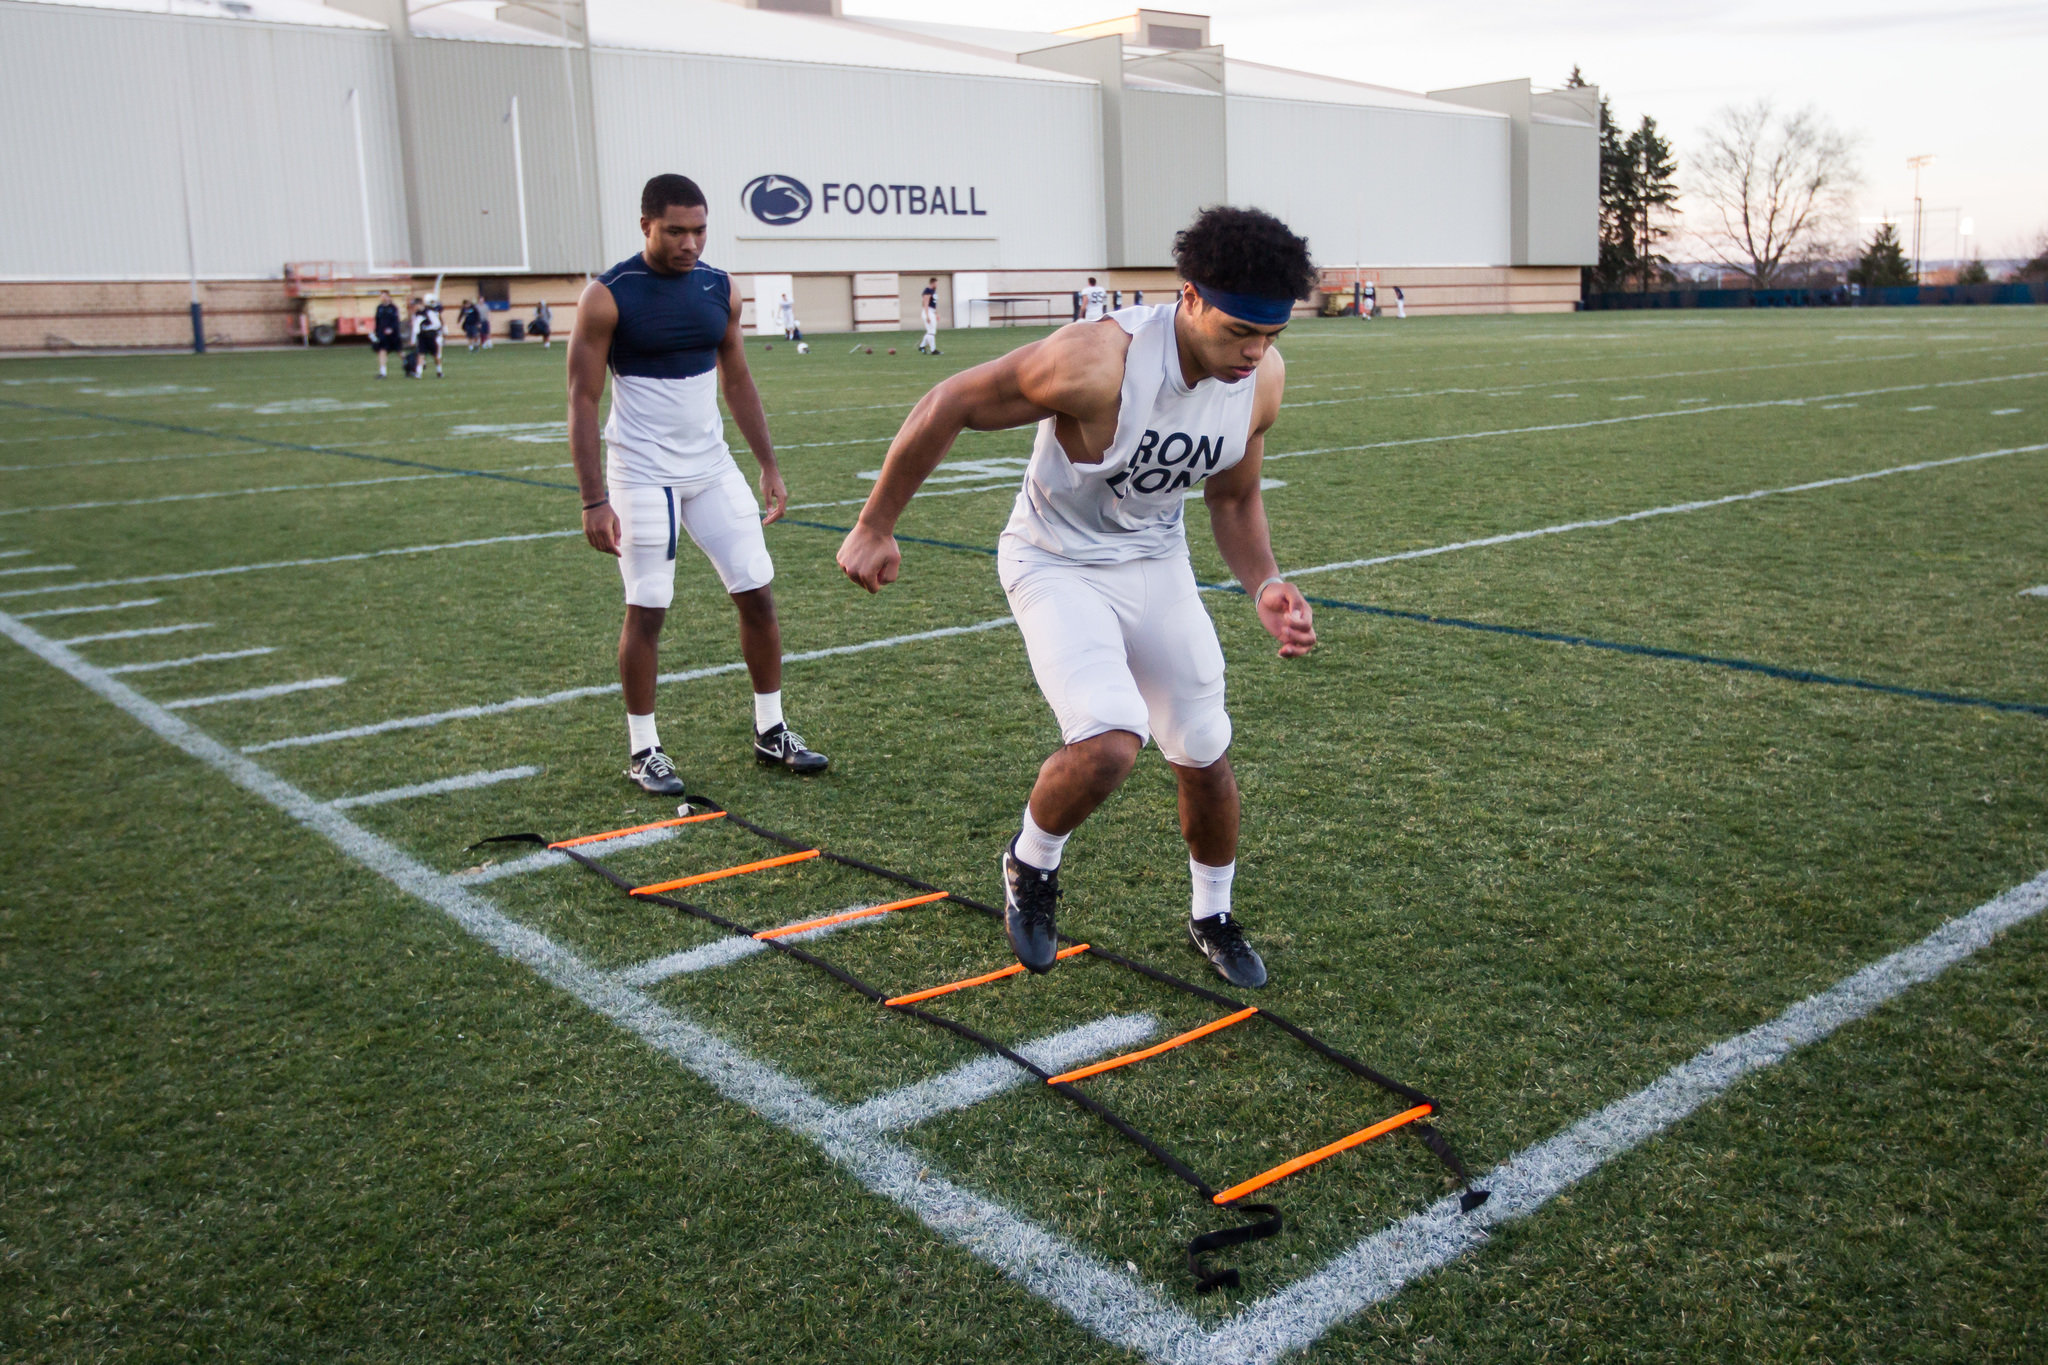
(1564, 193)
(1028, 150)
(1376, 186)
(97, 104)
(461, 174)
(1174, 166)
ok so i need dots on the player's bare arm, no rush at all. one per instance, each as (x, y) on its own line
(590, 347)
(743, 400)
(1237, 519)
(1073, 376)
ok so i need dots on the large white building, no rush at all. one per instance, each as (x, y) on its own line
(158, 148)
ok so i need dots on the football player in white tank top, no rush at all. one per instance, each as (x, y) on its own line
(1134, 411)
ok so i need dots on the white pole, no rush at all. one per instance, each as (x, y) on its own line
(519, 186)
(355, 105)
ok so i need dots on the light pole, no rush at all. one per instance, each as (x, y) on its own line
(1917, 163)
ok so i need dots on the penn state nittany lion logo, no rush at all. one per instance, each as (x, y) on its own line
(777, 200)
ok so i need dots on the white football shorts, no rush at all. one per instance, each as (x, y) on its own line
(720, 516)
(1123, 647)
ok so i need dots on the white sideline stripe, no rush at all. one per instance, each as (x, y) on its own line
(124, 459)
(921, 493)
(136, 634)
(97, 606)
(254, 693)
(447, 784)
(158, 665)
(1649, 416)
(722, 952)
(1380, 1265)
(1107, 1301)
(984, 1078)
(292, 563)
(548, 857)
(39, 568)
(1114, 1305)
(222, 493)
(1671, 510)
(604, 689)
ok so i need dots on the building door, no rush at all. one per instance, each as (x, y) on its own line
(824, 303)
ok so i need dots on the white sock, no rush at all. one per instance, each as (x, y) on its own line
(640, 732)
(1036, 847)
(767, 711)
(1212, 888)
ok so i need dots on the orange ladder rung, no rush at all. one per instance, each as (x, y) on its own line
(1171, 1043)
(741, 870)
(982, 980)
(1343, 1144)
(635, 829)
(846, 915)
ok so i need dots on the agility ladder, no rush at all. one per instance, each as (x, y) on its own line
(1066, 1083)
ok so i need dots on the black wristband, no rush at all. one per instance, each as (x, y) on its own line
(590, 506)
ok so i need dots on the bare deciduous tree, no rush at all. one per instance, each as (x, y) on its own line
(1779, 186)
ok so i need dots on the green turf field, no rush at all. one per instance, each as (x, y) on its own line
(291, 1081)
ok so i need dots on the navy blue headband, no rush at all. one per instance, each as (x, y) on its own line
(1257, 309)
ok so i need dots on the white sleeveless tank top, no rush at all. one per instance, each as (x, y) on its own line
(1169, 437)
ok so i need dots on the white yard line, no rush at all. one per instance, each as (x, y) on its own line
(723, 952)
(97, 606)
(1671, 510)
(2041, 591)
(462, 783)
(1106, 1300)
(547, 857)
(121, 459)
(157, 665)
(221, 493)
(568, 694)
(1380, 1265)
(14, 554)
(254, 693)
(984, 1078)
(1649, 416)
(39, 568)
(232, 569)
(1116, 1306)
(136, 634)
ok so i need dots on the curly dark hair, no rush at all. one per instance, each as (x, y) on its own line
(1244, 251)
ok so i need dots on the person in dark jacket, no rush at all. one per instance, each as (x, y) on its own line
(386, 332)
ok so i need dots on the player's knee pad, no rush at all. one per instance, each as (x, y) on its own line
(649, 574)
(1200, 742)
(757, 572)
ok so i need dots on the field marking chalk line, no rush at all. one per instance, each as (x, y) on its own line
(1114, 1305)
(1671, 509)
(254, 693)
(158, 665)
(464, 782)
(605, 689)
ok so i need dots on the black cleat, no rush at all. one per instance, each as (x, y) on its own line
(655, 771)
(1218, 938)
(1030, 895)
(783, 747)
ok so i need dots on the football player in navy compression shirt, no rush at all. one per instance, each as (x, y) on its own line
(666, 326)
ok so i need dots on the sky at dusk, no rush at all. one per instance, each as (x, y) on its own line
(1960, 81)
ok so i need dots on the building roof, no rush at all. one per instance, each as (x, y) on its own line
(476, 21)
(309, 13)
(711, 28)
(1259, 81)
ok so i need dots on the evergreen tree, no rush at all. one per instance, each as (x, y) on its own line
(1638, 186)
(1973, 273)
(1883, 262)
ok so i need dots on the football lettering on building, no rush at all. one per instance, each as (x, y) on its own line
(915, 201)
(1169, 465)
